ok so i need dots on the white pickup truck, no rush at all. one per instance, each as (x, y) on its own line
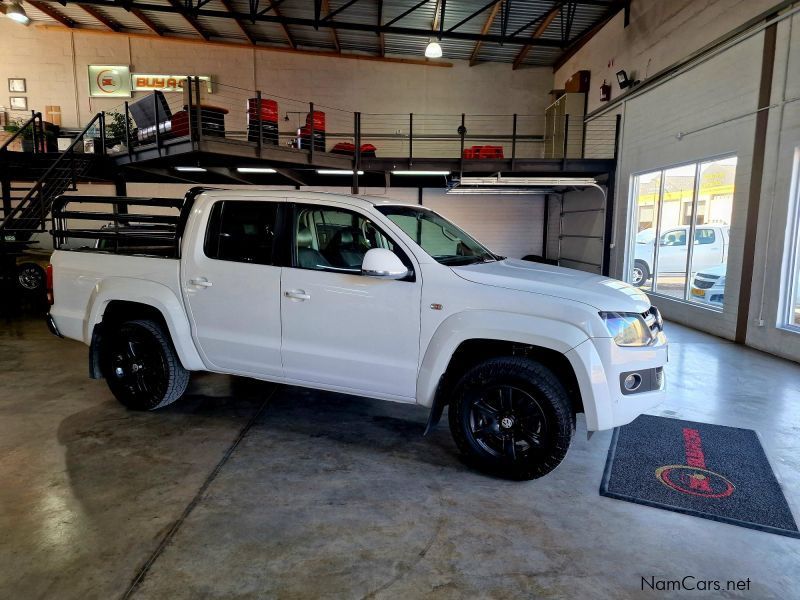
(711, 244)
(355, 295)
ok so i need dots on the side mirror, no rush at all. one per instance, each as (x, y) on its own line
(383, 264)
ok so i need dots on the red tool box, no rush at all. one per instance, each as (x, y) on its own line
(367, 150)
(483, 152)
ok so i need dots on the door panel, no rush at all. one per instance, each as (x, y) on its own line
(341, 328)
(233, 290)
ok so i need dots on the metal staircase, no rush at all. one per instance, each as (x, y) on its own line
(31, 181)
(26, 210)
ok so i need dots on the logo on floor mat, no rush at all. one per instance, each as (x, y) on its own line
(693, 477)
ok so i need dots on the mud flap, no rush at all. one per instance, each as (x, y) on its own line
(436, 410)
(95, 369)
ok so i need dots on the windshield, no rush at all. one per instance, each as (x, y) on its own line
(440, 238)
(646, 236)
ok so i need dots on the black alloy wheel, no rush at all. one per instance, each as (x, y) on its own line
(512, 417)
(142, 368)
(31, 277)
(507, 422)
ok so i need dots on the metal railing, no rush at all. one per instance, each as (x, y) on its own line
(36, 126)
(233, 114)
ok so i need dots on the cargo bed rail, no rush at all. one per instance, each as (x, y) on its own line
(121, 224)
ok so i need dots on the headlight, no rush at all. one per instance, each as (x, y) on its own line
(627, 329)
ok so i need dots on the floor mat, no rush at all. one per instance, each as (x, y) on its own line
(708, 471)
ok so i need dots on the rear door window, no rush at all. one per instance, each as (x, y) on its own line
(242, 231)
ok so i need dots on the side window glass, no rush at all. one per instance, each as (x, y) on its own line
(242, 231)
(674, 238)
(705, 236)
(332, 239)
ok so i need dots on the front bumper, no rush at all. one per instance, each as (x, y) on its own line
(599, 363)
(51, 325)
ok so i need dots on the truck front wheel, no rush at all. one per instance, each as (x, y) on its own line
(512, 417)
(141, 366)
(641, 273)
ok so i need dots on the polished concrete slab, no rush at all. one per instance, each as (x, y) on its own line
(249, 490)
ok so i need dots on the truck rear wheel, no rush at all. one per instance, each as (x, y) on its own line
(512, 417)
(141, 366)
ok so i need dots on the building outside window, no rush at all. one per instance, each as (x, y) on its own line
(671, 207)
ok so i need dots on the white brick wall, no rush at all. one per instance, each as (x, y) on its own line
(58, 76)
(660, 34)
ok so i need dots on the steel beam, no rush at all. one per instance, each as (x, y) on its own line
(537, 33)
(484, 30)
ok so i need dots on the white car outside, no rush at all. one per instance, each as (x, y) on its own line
(708, 286)
(710, 249)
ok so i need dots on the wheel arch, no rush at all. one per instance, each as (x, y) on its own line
(466, 339)
(115, 301)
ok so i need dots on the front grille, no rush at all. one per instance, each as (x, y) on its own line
(653, 319)
(702, 284)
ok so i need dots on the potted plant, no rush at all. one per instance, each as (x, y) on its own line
(116, 129)
(26, 136)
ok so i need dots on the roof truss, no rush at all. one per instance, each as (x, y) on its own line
(349, 16)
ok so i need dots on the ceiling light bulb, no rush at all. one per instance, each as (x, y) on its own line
(433, 50)
(15, 12)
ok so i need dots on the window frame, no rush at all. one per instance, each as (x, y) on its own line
(790, 277)
(277, 256)
(291, 224)
(633, 187)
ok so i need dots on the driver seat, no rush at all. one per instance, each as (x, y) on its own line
(307, 256)
(343, 250)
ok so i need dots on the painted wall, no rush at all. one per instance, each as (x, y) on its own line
(660, 34)
(707, 109)
(54, 61)
(779, 211)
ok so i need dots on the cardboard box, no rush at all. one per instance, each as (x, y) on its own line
(578, 82)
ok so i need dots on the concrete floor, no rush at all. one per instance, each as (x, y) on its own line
(334, 496)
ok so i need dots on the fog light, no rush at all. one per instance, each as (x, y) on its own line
(632, 382)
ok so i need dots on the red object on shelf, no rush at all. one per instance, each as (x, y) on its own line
(349, 148)
(483, 152)
(180, 124)
(269, 110)
(319, 121)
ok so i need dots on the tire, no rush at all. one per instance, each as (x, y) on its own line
(641, 273)
(31, 278)
(511, 417)
(141, 367)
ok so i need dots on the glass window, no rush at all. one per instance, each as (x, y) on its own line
(672, 254)
(333, 239)
(792, 282)
(710, 253)
(668, 205)
(242, 232)
(440, 238)
(646, 191)
(704, 236)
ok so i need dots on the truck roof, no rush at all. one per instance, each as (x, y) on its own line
(288, 195)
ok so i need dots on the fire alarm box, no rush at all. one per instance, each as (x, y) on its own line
(579, 82)
(605, 92)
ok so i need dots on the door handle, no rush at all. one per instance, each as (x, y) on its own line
(201, 282)
(297, 295)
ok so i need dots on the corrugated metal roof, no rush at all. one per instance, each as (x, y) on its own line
(522, 20)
